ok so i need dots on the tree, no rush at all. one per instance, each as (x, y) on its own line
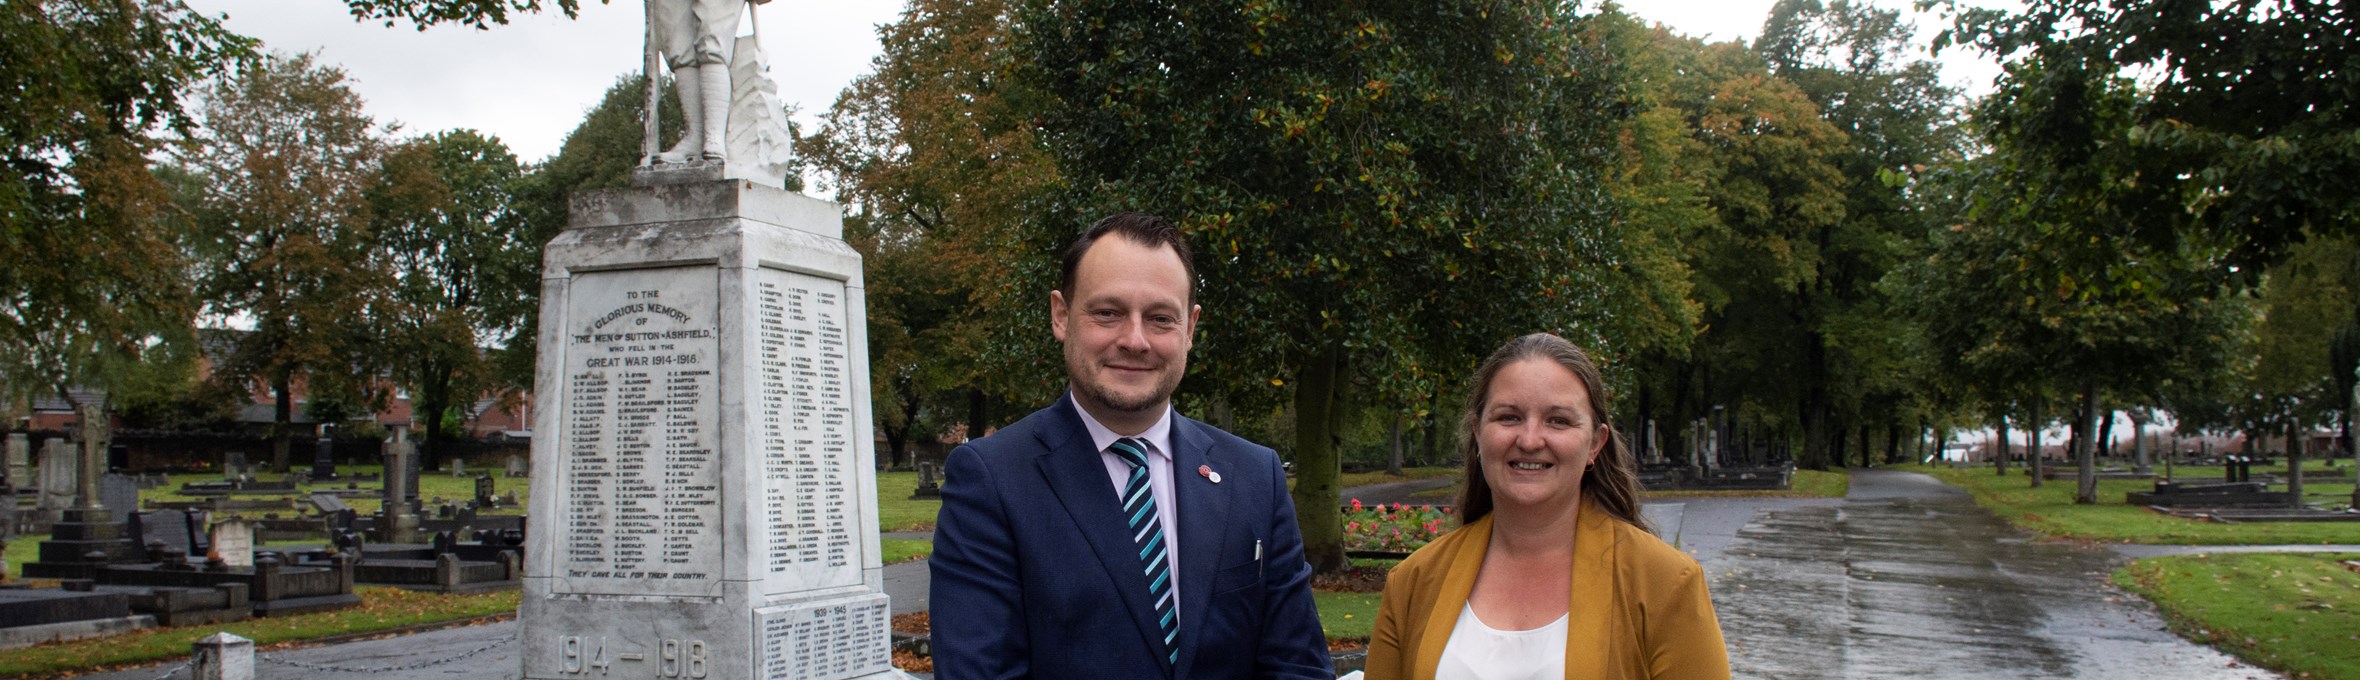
(444, 226)
(1379, 190)
(90, 235)
(2251, 112)
(2060, 302)
(284, 156)
(929, 156)
(1736, 168)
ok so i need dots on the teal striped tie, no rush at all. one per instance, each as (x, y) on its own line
(1139, 512)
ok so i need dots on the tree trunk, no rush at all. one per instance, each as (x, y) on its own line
(2294, 462)
(1393, 443)
(1866, 451)
(975, 414)
(282, 425)
(1317, 467)
(434, 397)
(2086, 448)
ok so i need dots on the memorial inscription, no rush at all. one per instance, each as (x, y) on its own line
(807, 434)
(643, 484)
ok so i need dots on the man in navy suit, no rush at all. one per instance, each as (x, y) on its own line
(1107, 536)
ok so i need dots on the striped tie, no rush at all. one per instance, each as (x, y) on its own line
(1139, 511)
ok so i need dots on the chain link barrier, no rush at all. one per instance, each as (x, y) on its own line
(175, 669)
(504, 639)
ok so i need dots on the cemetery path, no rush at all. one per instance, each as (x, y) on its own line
(1907, 577)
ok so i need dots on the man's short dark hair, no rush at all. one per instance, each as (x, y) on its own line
(1137, 227)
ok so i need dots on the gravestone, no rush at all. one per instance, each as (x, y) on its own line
(20, 460)
(180, 530)
(702, 500)
(233, 540)
(61, 470)
(118, 458)
(929, 485)
(516, 466)
(323, 459)
(485, 495)
(233, 466)
(398, 520)
(458, 467)
(118, 493)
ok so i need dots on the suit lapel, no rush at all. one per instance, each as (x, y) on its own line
(1203, 515)
(1077, 475)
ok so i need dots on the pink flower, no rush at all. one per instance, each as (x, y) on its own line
(1356, 505)
(1351, 527)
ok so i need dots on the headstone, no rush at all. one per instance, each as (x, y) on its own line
(118, 493)
(233, 540)
(458, 467)
(20, 460)
(323, 459)
(169, 527)
(928, 485)
(399, 519)
(516, 466)
(61, 469)
(701, 486)
(118, 458)
(485, 495)
(233, 466)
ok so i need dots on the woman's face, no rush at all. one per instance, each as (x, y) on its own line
(1537, 435)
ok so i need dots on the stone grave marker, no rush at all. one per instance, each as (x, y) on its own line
(485, 495)
(398, 520)
(61, 469)
(929, 484)
(323, 459)
(171, 527)
(233, 466)
(118, 493)
(20, 460)
(233, 540)
(702, 500)
(458, 467)
(118, 458)
(516, 466)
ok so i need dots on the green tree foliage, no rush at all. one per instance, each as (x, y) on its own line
(1737, 168)
(930, 156)
(2035, 288)
(440, 205)
(90, 236)
(282, 163)
(598, 154)
(2253, 118)
(1387, 191)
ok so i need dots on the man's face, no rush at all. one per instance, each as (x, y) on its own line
(1126, 331)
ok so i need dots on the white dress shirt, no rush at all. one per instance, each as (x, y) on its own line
(1159, 478)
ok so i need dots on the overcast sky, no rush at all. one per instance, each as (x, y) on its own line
(529, 82)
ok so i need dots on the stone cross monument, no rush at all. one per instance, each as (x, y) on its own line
(703, 504)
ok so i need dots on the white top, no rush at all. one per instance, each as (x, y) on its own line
(1480, 652)
(1159, 478)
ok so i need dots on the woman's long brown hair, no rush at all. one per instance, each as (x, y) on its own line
(1612, 481)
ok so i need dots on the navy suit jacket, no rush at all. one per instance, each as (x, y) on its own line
(1035, 575)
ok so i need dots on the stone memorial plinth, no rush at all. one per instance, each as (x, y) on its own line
(701, 505)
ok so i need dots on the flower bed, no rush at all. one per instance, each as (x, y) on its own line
(1397, 528)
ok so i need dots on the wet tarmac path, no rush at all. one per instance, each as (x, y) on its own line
(1908, 578)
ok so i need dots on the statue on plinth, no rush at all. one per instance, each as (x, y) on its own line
(731, 115)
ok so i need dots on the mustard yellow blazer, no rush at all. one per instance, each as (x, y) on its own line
(1639, 606)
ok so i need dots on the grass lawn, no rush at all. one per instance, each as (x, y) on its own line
(2291, 612)
(1347, 616)
(2050, 511)
(896, 511)
(381, 609)
(904, 549)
